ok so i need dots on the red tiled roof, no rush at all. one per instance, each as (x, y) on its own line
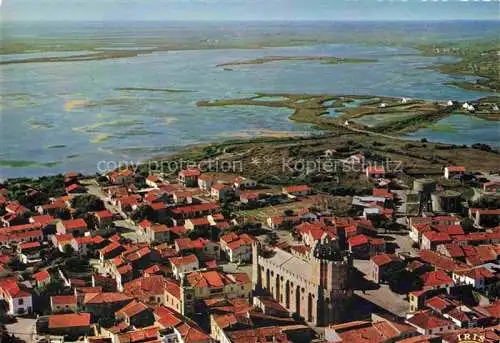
(438, 303)
(436, 278)
(190, 172)
(434, 236)
(41, 275)
(74, 224)
(129, 200)
(486, 211)
(450, 229)
(476, 273)
(62, 239)
(110, 247)
(297, 189)
(43, 219)
(11, 287)
(149, 334)
(206, 279)
(156, 206)
(145, 223)
(183, 260)
(168, 317)
(73, 187)
(72, 320)
(427, 320)
(126, 268)
(358, 240)
(492, 310)
(133, 308)
(4, 259)
(376, 332)
(203, 221)
(191, 333)
(382, 192)
(219, 186)
(20, 235)
(107, 297)
(63, 299)
(15, 207)
(145, 286)
(138, 254)
(382, 259)
(375, 170)
(29, 245)
(456, 168)
(249, 195)
(475, 236)
(104, 214)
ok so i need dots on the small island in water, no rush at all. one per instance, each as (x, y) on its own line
(322, 59)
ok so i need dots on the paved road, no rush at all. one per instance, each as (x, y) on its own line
(24, 329)
(382, 297)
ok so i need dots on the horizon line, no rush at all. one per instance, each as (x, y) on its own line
(4, 20)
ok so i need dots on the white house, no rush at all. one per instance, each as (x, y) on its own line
(453, 171)
(477, 278)
(184, 264)
(428, 323)
(237, 248)
(243, 182)
(18, 301)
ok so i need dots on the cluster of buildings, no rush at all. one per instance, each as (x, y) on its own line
(166, 263)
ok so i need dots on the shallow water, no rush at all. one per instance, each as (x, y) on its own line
(461, 129)
(72, 104)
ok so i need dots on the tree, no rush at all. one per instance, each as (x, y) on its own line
(467, 224)
(487, 202)
(87, 203)
(91, 221)
(272, 238)
(62, 213)
(68, 250)
(404, 281)
(143, 212)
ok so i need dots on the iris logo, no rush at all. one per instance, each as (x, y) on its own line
(470, 338)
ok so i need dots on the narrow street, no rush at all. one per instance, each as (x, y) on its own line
(134, 233)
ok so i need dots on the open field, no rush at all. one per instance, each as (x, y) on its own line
(280, 161)
(263, 213)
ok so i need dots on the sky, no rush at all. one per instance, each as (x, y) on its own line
(102, 10)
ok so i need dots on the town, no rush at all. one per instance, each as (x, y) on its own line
(198, 255)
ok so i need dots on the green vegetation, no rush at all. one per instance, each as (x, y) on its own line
(166, 90)
(403, 116)
(476, 59)
(143, 212)
(403, 281)
(33, 192)
(93, 56)
(113, 123)
(322, 59)
(26, 163)
(87, 203)
(443, 128)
